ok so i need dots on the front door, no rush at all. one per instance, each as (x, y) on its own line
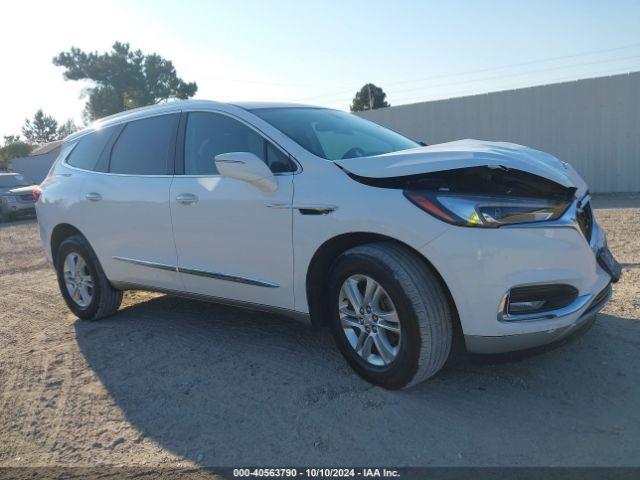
(231, 242)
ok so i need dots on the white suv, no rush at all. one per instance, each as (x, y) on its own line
(328, 218)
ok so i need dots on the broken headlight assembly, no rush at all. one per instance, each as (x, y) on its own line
(484, 196)
(487, 210)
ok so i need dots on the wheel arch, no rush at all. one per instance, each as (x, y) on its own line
(322, 262)
(59, 233)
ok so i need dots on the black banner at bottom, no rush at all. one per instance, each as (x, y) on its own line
(312, 473)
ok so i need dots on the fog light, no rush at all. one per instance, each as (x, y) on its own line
(526, 307)
(521, 302)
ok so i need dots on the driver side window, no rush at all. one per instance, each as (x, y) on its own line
(210, 134)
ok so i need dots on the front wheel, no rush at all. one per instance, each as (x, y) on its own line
(390, 316)
(83, 284)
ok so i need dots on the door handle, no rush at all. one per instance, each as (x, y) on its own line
(186, 198)
(93, 197)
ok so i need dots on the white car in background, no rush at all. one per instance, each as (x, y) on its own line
(16, 197)
(326, 217)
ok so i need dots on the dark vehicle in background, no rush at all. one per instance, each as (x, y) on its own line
(16, 197)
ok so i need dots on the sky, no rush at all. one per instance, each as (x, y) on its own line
(317, 52)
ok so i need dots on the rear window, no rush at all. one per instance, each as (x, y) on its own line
(145, 147)
(86, 153)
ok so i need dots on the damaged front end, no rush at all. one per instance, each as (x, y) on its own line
(481, 196)
(475, 183)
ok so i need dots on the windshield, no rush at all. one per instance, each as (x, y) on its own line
(12, 181)
(332, 134)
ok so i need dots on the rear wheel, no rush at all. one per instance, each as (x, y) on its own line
(390, 316)
(83, 284)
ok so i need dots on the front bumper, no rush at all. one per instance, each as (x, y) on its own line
(480, 265)
(19, 208)
(510, 343)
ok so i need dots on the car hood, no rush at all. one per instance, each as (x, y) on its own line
(462, 154)
(21, 190)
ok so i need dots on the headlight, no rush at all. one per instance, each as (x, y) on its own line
(489, 211)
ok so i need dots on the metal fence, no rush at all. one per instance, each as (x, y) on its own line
(593, 124)
(35, 168)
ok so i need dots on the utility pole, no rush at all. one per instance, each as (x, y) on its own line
(370, 97)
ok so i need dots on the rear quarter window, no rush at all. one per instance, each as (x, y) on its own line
(87, 151)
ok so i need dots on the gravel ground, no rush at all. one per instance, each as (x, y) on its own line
(172, 382)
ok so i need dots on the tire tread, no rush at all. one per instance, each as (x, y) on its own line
(109, 298)
(429, 302)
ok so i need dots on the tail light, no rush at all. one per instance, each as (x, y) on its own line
(36, 194)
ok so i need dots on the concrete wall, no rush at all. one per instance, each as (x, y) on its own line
(35, 168)
(593, 124)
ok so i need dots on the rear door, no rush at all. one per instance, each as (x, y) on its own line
(231, 242)
(126, 204)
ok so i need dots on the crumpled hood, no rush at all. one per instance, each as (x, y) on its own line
(466, 153)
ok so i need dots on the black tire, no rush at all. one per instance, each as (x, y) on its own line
(105, 299)
(420, 301)
(6, 217)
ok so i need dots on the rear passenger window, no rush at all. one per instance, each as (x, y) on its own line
(211, 134)
(145, 147)
(86, 153)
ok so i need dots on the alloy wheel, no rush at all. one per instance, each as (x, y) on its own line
(77, 279)
(369, 320)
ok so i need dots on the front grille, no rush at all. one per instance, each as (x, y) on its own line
(585, 220)
(27, 197)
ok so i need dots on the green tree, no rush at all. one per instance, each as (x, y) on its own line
(9, 139)
(42, 129)
(13, 147)
(66, 129)
(369, 97)
(123, 79)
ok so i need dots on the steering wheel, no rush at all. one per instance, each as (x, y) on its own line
(354, 152)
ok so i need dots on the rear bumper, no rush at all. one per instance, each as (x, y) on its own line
(509, 343)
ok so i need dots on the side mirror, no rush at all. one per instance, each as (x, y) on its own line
(248, 167)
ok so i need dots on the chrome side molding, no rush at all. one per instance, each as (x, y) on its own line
(200, 273)
(321, 209)
(144, 263)
(230, 278)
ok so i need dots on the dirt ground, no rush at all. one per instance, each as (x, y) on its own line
(175, 382)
